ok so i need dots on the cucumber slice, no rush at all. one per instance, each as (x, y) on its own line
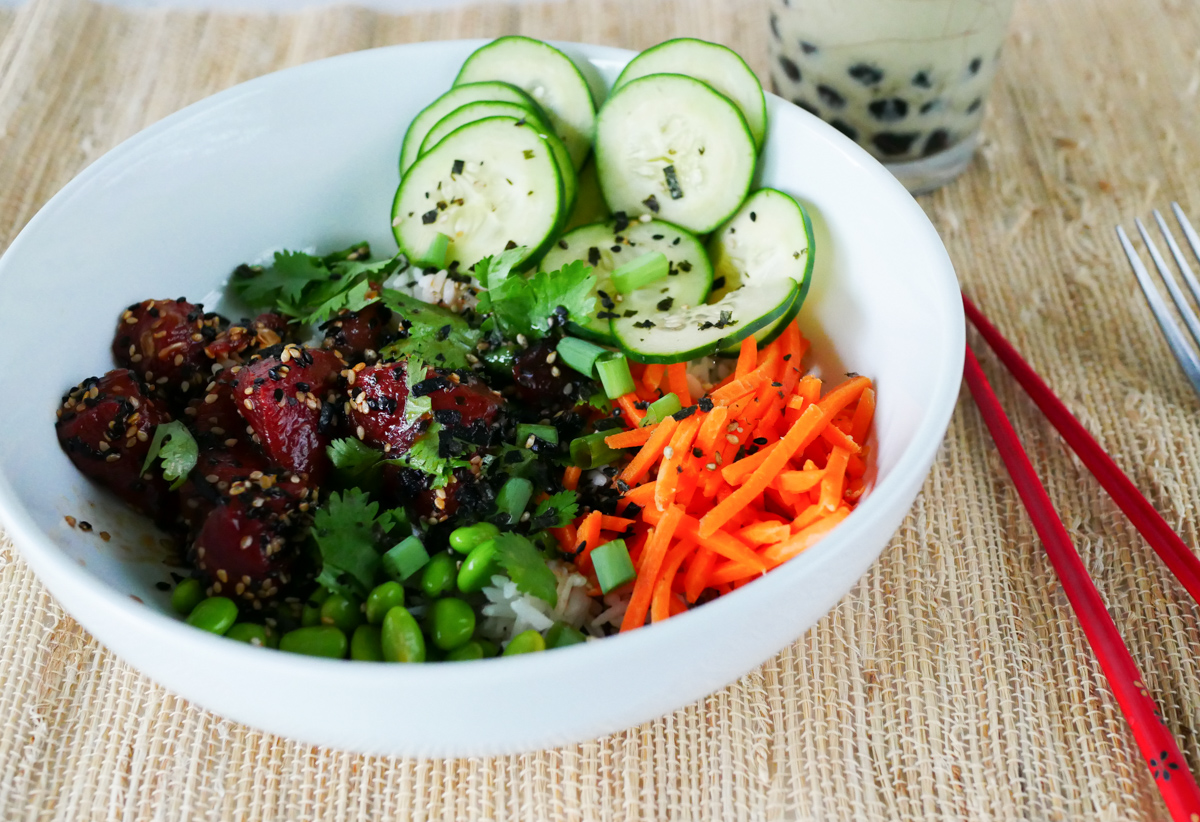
(490, 108)
(770, 237)
(488, 185)
(688, 285)
(670, 146)
(549, 77)
(721, 68)
(681, 335)
(456, 97)
(589, 203)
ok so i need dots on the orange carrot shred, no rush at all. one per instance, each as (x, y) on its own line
(856, 467)
(805, 539)
(747, 357)
(640, 496)
(677, 383)
(668, 469)
(807, 517)
(843, 395)
(571, 477)
(711, 429)
(720, 542)
(833, 483)
(632, 438)
(863, 414)
(633, 414)
(797, 482)
(809, 388)
(736, 388)
(792, 354)
(650, 453)
(736, 472)
(838, 438)
(611, 523)
(652, 376)
(764, 532)
(651, 563)
(588, 539)
(660, 603)
(697, 573)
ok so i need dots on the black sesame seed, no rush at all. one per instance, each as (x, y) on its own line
(429, 216)
(975, 104)
(830, 96)
(921, 80)
(789, 68)
(622, 222)
(719, 282)
(806, 47)
(593, 256)
(975, 65)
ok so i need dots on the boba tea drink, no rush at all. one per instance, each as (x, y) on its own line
(905, 79)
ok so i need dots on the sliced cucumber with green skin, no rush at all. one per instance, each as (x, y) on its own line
(687, 284)
(457, 97)
(490, 108)
(678, 336)
(770, 237)
(489, 185)
(589, 203)
(720, 67)
(670, 146)
(549, 77)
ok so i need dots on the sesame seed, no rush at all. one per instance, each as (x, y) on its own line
(361, 432)
(249, 404)
(247, 541)
(554, 372)
(212, 479)
(551, 357)
(668, 452)
(731, 438)
(712, 466)
(221, 575)
(216, 588)
(210, 399)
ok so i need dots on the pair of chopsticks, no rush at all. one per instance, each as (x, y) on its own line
(1163, 757)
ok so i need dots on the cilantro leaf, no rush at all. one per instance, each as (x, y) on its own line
(415, 407)
(347, 529)
(353, 456)
(526, 306)
(284, 281)
(354, 299)
(174, 443)
(555, 511)
(424, 456)
(526, 567)
(435, 334)
(492, 271)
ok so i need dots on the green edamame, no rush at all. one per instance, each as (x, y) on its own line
(186, 596)
(342, 612)
(561, 635)
(438, 575)
(367, 644)
(465, 539)
(490, 649)
(525, 643)
(382, 599)
(254, 634)
(316, 640)
(452, 622)
(215, 614)
(478, 568)
(311, 615)
(464, 653)
(401, 637)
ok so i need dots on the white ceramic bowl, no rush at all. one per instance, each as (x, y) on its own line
(307, 158)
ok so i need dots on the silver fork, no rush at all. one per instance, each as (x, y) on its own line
(1180, 347)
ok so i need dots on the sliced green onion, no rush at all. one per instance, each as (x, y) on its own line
(613, 566)
(513, 498)
(580, 355)
(543, 432)
(641, 272)
(614, 375)
(661, 408)
(561, 635)
(591, 451)
(404, 560)
(435, 257)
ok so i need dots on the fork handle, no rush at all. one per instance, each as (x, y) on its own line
(1165, 542)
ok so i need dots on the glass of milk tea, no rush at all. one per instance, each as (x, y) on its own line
(905, 79)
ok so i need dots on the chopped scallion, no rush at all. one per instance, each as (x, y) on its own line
(543, 432)
(513, 498)
(580, 355)
(612, 565)
(591, 451)
(614, 375)
(641, 272)
(663, 407)
(404, 560)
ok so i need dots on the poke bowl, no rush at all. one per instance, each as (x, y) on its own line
(306, 159)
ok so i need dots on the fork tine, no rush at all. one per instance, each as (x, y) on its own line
(1175, 339)
(1188, 275)
(1189, 232)
(1185, 310)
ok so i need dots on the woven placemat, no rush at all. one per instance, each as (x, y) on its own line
(952, 682)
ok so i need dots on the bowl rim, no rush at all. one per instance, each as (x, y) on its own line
(78, 590)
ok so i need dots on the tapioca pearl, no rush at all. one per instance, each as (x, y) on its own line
(775, 28)
(865, 73)
(921, 80)
(845, 128)
(975, 104)
(807, 106)
(789, 68)
(889, 110)
(939, 140)
(892, 144)
(975, 65)
(829, 95)
(809, 48)
(932, 105)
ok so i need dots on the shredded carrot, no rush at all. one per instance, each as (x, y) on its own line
(839, 439)
(736, 388)
(809, 388)
(736, 472)
(633, 414)
(567, 538)
(720, 542)
(640, 496)
(863, 414)
(807, 517)
(856, 467)
(805, 539)
(611, 523)
(793, 351)
(730, 572)
(797, 482)
(834, 481)
(651, 451)
(747, 357)
(843, 395)
(698, 570)
(652, 376)
(671, 465)
(677, 383)
(652, 560)
(571, 477)
(660, 603)
(631, 439)
(587, 540)
(764, 532)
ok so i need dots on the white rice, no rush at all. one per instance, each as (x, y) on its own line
(437, 288)
(509, 612)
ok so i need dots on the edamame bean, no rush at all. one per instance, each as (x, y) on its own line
(342, 612)
(452, 622)
(367, 644)
(316, 640)
(311, 615)
(253, 634)
(463, 653)
(490, 649)
(465, 539)
(402, 640)
(215, 614)
(186, 596)
(526, 642)
(561, 635)
(478, 568)
(438, 575)
(382, 599)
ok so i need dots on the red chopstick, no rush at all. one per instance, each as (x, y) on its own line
(1165, 542)
(1163, 757)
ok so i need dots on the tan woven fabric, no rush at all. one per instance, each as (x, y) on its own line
(951, 683)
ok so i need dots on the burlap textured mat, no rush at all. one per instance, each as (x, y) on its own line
(951, 683)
